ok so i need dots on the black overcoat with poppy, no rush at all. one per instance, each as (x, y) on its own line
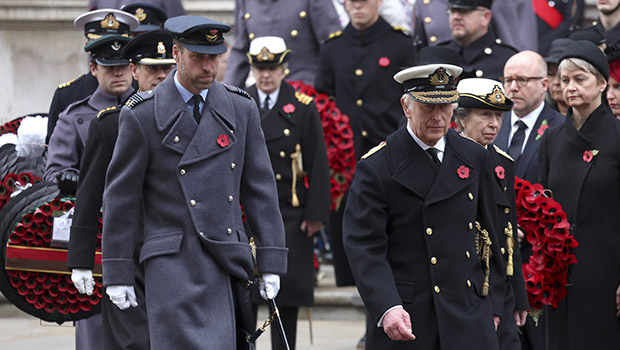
(588, 188)
(409, 236)
(186, 180)
(516, 295)
(282, 132)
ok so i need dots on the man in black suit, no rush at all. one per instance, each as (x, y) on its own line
(419, 226)
(525, 82)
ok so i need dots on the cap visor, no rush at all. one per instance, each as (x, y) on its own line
(435, 97)
(206, 49)
(143, 28)
(112, 62)
(157, 61)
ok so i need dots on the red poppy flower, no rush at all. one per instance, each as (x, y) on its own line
(222, 140)
(384, 62)
(587, 156)
(463, 172)
(542, 129)
(289, 108)
(499, 171)
(454, 125)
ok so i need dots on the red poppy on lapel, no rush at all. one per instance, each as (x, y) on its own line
(222, 140)
(463, 172)
(499, 171)
(384, 62)
(541, 130)
(589, 155)
(289, 108)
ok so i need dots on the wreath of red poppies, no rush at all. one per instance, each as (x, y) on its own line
(35, 269)
(12, 182)
(547, 230)
(338, 139)
(11, 126)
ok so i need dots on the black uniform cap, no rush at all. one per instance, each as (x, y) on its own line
(151, 17)
(469, 4)
(150, 48)
(107, 50)
(557, 48)
(588, 52)
(198, 34)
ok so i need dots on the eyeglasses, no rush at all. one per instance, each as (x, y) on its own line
(521, 81)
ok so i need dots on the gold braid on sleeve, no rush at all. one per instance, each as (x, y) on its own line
(510, 245)
(482, 244)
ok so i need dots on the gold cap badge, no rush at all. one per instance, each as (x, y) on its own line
(440, 77)
(110, 22)
(140, 14)
(212, 36)
(497, 96)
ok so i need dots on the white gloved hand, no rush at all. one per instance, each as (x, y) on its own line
(122, 296)
(83, 280)
(269, 286)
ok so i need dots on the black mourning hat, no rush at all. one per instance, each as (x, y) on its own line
(105, 22)
(469, 4)
(588, 52)
(430, 83)
(151, 17)
(557, 47)
(198, 34)
(484, 94)
(107, 50)
(150, 48)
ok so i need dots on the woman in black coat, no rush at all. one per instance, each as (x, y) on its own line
(481, 105)
(580, 163)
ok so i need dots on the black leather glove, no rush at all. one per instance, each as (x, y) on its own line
(67, 181)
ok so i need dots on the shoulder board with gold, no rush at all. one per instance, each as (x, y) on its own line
(237, 90)
(500, 151)
(105, 111)
(64, 85)
(374, 149)
(334, 35)
(303, 98)
(138, 98)
(401, 29)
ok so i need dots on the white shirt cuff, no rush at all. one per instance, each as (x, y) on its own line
(380, 323)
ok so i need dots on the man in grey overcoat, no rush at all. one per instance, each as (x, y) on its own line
(187, 154)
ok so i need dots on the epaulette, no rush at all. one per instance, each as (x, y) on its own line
(237, 90)
(64, 85)
(401, 29)
(374, 149)
(105, 111)
(334, 35)
(500, 151)
(303, 98)
(138, 98)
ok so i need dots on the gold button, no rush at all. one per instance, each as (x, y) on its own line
(488, 51)
(503, 250)
(432, 38)
(427, 20)
(294, 33)
(506, 210)
(436, 289)
(498, 40)
(182, 171)
(429, 231)
(468, 283)
(467, 254)
(278, 177)
(286, 132)
(470, 225)
(176, 139)
(230, 199)
(282, 154)
(479, 73)
(251, 36)
(302, 14)
(287, 71)
(364, 133)
(359, 102)
(471, 196)
(192, 203)
(426, 2)
(359, 72)
(232, 166)
(246, 16)
(433, 260)
(229, 231)
(505, 189)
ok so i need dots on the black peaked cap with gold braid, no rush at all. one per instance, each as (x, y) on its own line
(430, 83)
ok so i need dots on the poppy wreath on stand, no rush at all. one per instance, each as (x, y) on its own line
(37, 273)
(547, 229)
(13, 182)
(11, 126)
(338, 139)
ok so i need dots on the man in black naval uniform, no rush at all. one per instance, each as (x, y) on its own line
(94, 24)
(151, 61)
(296, 147)
(419, 228)
(474, 40)
(608, 20)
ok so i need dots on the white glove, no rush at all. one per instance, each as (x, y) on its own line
(122, 296)
(269, 286)
(83, 281)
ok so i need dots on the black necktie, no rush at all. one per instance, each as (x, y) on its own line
(197, 99)
(433, 153)
(266, 104)
(517, 140)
